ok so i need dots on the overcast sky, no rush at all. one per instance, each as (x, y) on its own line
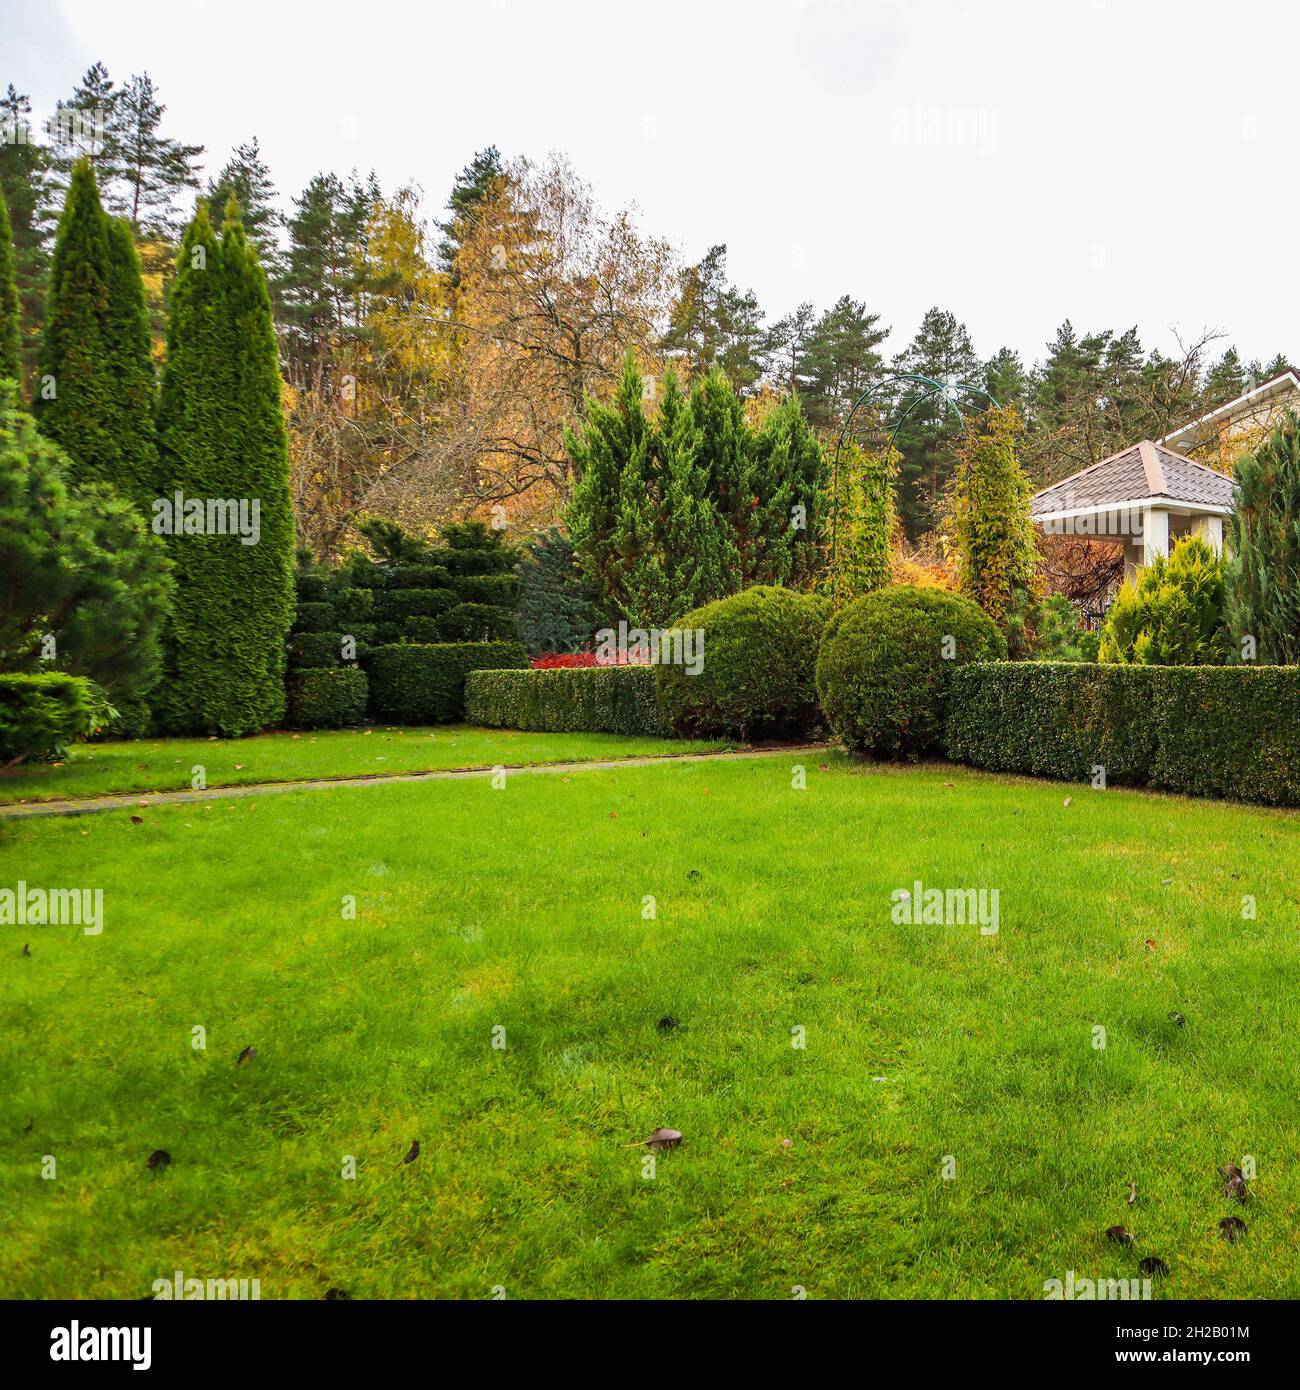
(1116, 162)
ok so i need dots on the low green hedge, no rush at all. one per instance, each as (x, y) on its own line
(594, 699)
(424, 683)
(41, 714)
(327, 698)
(1228, 731)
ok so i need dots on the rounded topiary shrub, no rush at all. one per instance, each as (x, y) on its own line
(886, 662)
(756, 678)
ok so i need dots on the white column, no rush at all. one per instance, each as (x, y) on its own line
(1155, 533)
(1211, 528)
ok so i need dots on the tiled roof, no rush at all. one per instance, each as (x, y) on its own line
(1143, 470)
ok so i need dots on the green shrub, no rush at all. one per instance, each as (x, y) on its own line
(310, 586)
(478, 622)
(1231, 732)
(314, 650)
(314, 617)
(396, 605)
(1172, 614)
(495, 590)
(41, 714)
(417, 683)
(419, 629)
(78, 567)
(757, 678)
(327, 699)
(407, 576)
(887, 660)
(594, 699)
(352, 605)
(558, 609)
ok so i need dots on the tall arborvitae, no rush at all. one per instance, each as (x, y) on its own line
(11, 338)
(223, 437)
(95, 393)
(128, 342)
(74, 393)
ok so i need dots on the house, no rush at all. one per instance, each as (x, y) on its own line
(1237, 426)
(1144, 498)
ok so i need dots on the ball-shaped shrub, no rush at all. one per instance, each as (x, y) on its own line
(886, 661)
(759, 652)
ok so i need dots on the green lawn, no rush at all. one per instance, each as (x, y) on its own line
(521, 909)
(150, 765)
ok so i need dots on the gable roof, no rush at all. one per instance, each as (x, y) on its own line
(1142, 471)
(1285, 383)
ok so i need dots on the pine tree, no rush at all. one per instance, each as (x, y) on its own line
(25, 184)
(246, 178)
(85, 127)
(481, 179)
(1264, 538)
(841, 360)
(95, 397)
(324, 282)
(11, 338)
(557, 608)
(155, 169)
(1005, 378)
(930, 429)
(223, 436)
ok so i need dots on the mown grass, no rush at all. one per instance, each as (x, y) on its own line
(522, 909)
(94, 769)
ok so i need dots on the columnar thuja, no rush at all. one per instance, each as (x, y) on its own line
(223, 436)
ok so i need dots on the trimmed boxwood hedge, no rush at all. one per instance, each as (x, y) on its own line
(593, 699)
(1231, 732)
(760, 655)
(424, 683)
(42, 714)
(327, 698)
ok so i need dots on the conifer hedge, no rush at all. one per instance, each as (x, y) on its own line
(1228, 731)
(589, 699)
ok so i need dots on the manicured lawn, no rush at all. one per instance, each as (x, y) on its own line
(521, 909)
(94, 769)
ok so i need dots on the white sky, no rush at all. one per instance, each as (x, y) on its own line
(1110, 161)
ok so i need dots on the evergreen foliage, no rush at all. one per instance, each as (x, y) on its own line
(992, 536)
(1263, 577)
(82, 582)
(95, 396)
(11, 338)
(866, 525)
(1172, 614)
(223, 436)
(673, 512)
